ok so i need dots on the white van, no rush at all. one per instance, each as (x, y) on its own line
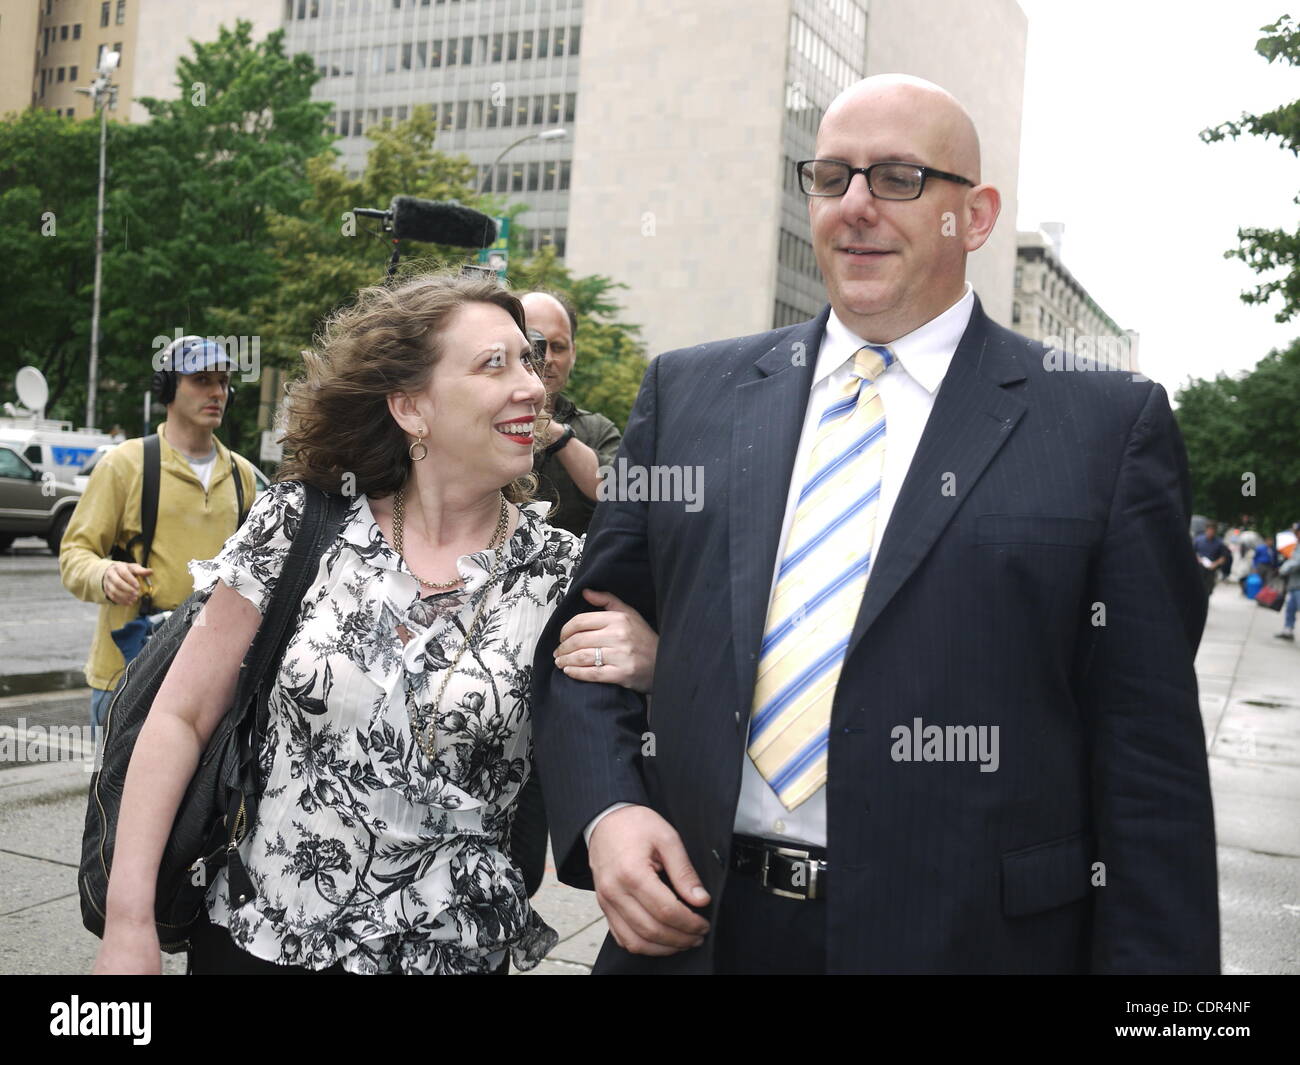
(53, 447)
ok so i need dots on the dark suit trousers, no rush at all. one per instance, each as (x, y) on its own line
(766, 935)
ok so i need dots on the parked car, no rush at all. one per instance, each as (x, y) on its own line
(32, 505)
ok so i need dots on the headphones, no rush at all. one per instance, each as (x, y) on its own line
(186, 350)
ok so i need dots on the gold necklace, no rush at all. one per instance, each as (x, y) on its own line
(399, 514)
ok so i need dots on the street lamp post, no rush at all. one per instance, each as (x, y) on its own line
(101, 93)
(544, 135)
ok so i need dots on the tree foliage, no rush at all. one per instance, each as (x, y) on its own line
(226, 215)
(1242, 446)
(1268, 250)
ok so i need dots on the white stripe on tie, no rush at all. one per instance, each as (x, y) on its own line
(819, 587)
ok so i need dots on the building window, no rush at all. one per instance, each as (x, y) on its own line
(512, 46)
(76, 32)
(575, 34)
(534, 173)
(62, 72)
(421, 55)
(539, 110)
(72, 73)
(99, 59)
(121, 12)
(553, 111)
(543, 36)
(527, 52)
(435, 54)
(1015, 313)
(549, 170)
(517, 177)
(498, 43)
(564, 175)
(462, 114)
(521, 111)
(558, 50)
(345, 124)
(466, 51)
(63, 33)
(570, 106)
(406, 56)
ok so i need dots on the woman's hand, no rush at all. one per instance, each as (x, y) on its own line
(129, 949)
(627, 644)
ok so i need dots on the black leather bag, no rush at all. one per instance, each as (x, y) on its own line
(218, 806)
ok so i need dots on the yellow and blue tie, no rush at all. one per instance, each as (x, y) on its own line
(819, 587)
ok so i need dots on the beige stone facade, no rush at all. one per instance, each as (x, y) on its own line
(690, 117)
(1052, 306)
(50, 48)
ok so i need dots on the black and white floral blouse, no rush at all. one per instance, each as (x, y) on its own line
(363, 850)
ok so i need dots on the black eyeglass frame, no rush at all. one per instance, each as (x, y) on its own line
(865, 171)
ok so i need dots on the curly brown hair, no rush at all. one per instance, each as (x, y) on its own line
(388, 340)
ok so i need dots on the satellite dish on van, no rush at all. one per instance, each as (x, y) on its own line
(33, 392)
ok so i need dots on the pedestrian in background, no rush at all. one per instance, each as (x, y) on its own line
(199, 506)
(1214, 556)
(1290, 572)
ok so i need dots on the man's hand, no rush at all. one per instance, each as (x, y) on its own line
(627, 851)
(121, 584)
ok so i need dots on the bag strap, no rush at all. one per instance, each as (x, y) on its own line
(239, 493)
(149, 495)
(321, 517)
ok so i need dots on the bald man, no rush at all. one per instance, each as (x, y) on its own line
(924, 697)
(578, 442)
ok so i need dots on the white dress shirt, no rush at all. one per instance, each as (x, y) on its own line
(907, 390)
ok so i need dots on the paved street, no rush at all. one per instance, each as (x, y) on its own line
(1250, 700)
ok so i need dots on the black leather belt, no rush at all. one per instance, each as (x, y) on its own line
(791, 872)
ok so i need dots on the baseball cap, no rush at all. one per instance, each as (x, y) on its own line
(194, 354)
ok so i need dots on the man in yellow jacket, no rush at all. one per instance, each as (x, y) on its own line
(197, 508)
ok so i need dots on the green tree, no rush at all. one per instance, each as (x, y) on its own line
(1242, 446)
(48, 180)
(189, 195)
(324, 255)
(1267, 250)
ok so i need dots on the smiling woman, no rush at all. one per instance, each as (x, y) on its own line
(398, 725)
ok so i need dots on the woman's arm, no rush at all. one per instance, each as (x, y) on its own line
(627, 644)
(194, 697)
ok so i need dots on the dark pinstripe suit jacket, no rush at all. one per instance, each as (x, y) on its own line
(1091, 848)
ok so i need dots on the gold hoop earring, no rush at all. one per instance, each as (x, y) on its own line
(423, 451)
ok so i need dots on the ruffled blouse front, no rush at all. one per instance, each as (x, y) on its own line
(365, 850)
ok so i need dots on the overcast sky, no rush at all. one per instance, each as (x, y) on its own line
(1116, 94)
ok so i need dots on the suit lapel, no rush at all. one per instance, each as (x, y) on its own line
(768, 421)
(972, 418)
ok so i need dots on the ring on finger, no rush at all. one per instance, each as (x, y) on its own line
(600, 657)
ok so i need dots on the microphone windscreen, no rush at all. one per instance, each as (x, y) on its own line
(434, 222)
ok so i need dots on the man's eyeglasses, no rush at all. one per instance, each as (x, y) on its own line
(885, 181)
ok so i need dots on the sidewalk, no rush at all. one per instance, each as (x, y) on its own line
(1250, 701)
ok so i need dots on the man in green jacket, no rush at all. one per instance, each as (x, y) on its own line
(578, 442)
(197, 508)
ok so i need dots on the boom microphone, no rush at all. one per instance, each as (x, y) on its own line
(435, 222)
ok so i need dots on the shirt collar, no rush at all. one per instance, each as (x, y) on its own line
(925, 353)
(362, 531)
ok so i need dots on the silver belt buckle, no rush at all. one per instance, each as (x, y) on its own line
(788, 852)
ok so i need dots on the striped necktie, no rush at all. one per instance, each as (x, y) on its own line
(819, 587)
